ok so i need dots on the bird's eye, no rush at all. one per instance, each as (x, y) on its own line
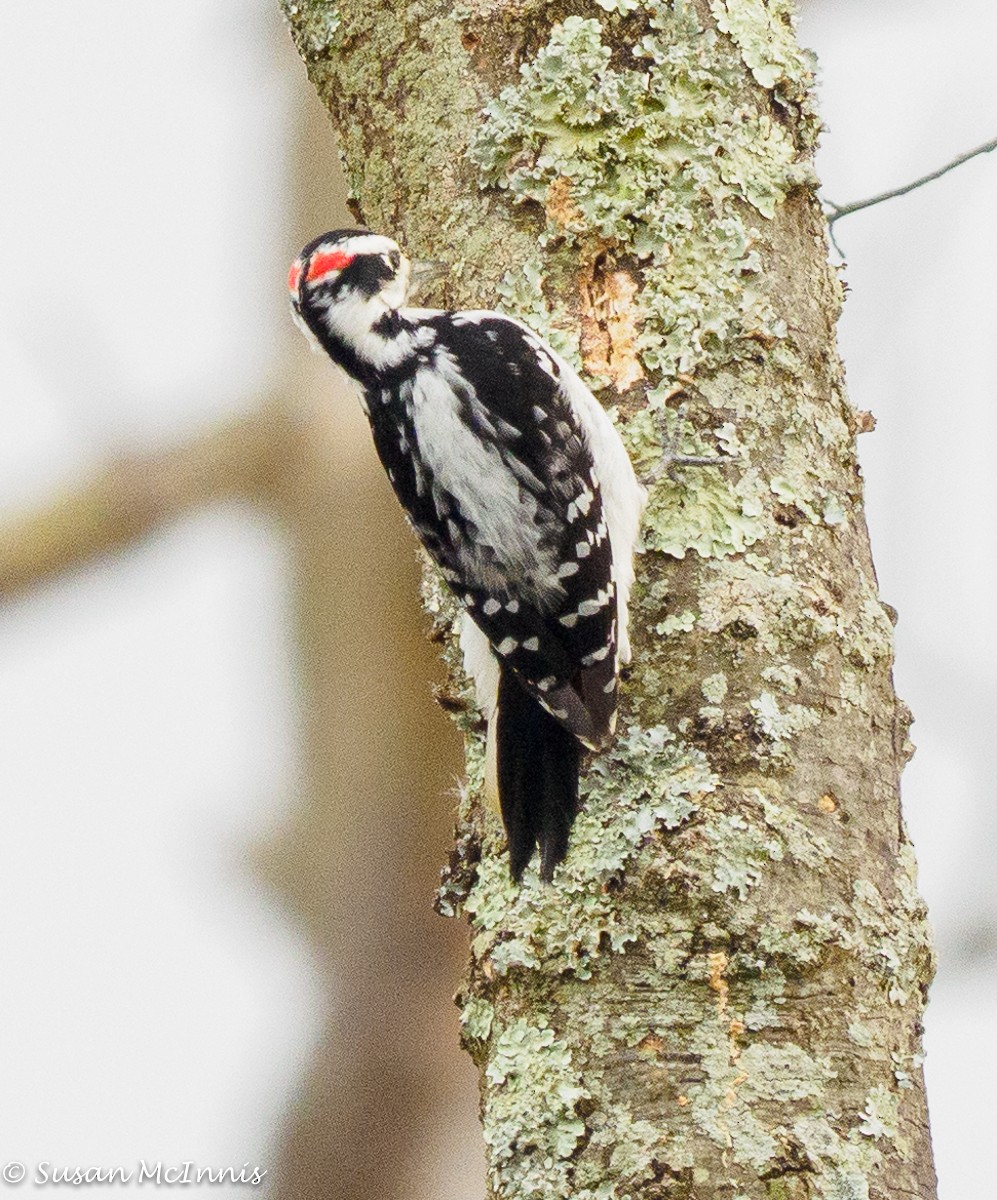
(395, 259)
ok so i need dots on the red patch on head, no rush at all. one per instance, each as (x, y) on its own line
(332, 260)
(294, 276)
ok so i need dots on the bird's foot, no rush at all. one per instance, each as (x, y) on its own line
(669, 460)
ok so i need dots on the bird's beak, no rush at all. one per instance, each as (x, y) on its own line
(425, 272)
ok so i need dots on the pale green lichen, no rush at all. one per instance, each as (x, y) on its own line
(521, 295)
(742, 844)
(529, 1117)
(683, 622)
(834, 512)
(476, 1019)
(785, 676)
(906, 1068)
(767, 476)
(317, 25)
(640, 151)
(764, 31)
(780, 726)
(842, 1165)
(804, 943)
(786, 490)
(740, 851)
(726, 1104)
(718, 1111)
(815, 502)
(785, 614)
(631, 1149)
(648, 781)
(706, 516)
(704, 511)
(781, 1073)
(727, 439)
(768, 999)
(892, 940)
(881, 1116)
(620, 6)
(802, 843)
(861, 1034)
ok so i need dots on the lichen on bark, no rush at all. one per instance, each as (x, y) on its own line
(721, 993)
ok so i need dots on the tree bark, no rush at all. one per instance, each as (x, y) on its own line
(721, 994)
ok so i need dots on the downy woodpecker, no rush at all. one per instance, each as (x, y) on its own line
(518, 485)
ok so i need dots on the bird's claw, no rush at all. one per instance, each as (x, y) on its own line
(669, 460)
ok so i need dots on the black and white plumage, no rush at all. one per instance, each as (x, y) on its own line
(519, 487)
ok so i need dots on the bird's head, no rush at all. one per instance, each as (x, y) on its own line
(347, 280)
(347, 288)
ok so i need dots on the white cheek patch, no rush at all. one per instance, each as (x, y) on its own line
(350, 319)
(395, 291)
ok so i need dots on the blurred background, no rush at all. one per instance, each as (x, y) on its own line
(226, 787)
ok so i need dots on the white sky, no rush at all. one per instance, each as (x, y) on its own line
(905, 88)
(141, 294)
(155, 1004)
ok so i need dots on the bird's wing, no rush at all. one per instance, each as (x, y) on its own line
(503, 494)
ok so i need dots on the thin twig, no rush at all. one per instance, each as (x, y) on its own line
(668, 462)
(837, 211)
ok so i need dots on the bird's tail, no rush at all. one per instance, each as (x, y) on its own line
(537, 771)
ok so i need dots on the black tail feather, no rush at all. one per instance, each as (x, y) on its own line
(537, 779)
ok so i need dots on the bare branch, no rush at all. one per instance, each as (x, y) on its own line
(131, 497)
(837, 211)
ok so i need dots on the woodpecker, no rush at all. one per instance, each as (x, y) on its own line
(518, 485)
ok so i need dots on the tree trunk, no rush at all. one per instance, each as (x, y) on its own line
(721, 994)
